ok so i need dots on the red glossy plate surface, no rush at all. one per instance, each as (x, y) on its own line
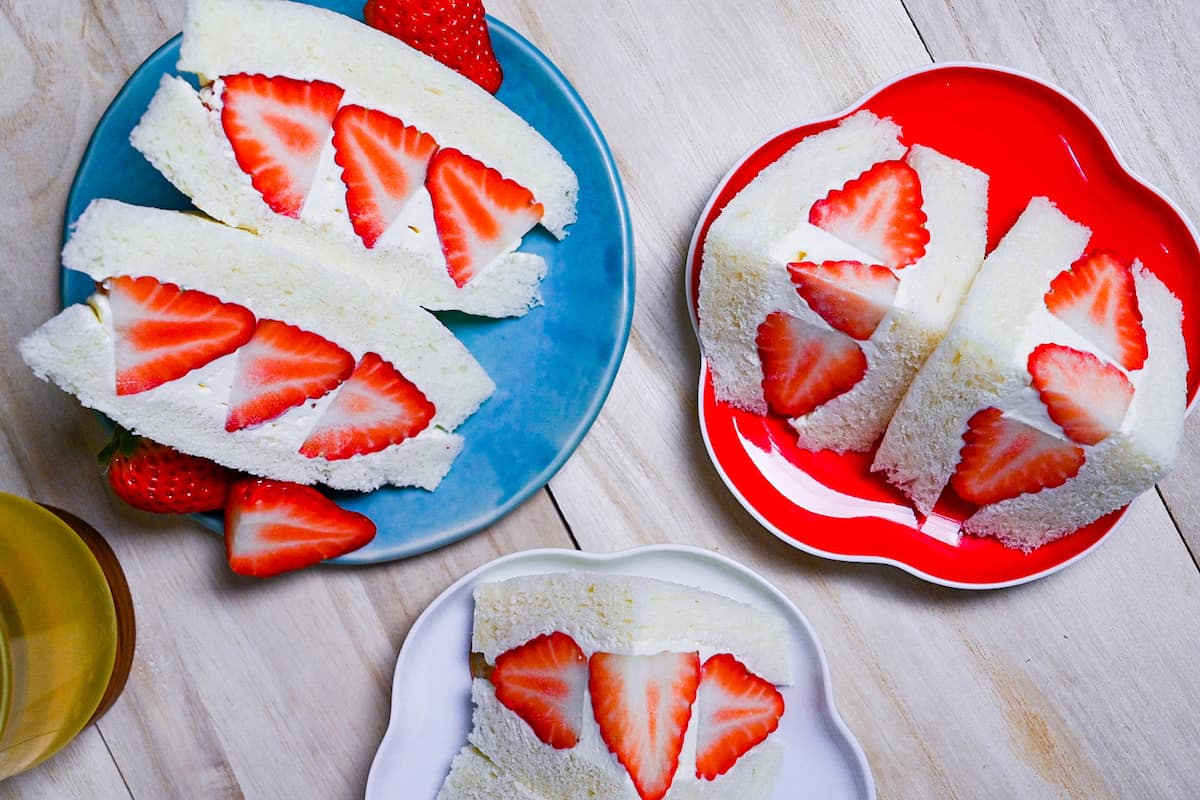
(1031, 139)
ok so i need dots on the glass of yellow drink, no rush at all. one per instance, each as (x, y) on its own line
(66, 630)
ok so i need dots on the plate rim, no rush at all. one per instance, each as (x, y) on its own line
(690, 301)
(623, 320)
(859, 763)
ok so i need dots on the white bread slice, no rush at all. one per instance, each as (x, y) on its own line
(184, 141)
(75, 349)
(588, 771)
(744, 276)
(628, 616)
(275, 37)
(473, 777)
(977, 363)
(1123, 465)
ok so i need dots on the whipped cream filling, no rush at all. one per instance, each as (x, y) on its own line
(1025, 404)
(414, 230)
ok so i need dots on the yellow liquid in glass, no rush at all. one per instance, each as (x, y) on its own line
(58, 634)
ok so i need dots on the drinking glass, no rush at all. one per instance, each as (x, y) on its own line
(66, 630)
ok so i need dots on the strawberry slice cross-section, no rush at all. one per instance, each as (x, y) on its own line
(279, 368)
(804, 366)
(375, 408)
(543, 682)
(879, 212)
(851, 296)
(278, 127)
(162, 332)
(1096, 297)
(642, 705)
(478, 212)
(383, 165)
(736, 710)
(1003, 457)
(1085, 396)
(276, 526)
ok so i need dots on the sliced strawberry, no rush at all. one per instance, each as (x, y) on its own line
(279, 368)
(454, 32)
(278, 127)
(1087, 397)
(162, 332)
(642, 705)
(804, 366)
(879, 212)
(376, 408)
(736, 710)
(276, 526)
(478, 212)
(1003, 458)
(1097, 298)
(851, 296)
(383, 164)
(543, 682)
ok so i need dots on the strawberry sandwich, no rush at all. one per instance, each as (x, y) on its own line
(219, 344)
(1058, 395)
(829, 278)
(326, 136)
(599, 687)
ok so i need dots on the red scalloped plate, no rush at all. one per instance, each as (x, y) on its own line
(1032, 139)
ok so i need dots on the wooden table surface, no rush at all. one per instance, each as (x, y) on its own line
(1083, 685)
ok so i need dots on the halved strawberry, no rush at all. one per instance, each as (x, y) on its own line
(1087, 397)
(879, 212)
(642, 705)
(804, 366)
(276, 526)
(279, 368)
(1097, 298)
(383, 164)
(278, 127)
(1003, 458)
(543, 682)
(851, 296)
(736, 710)
(162, 332)
(478, 212)
(376, 408)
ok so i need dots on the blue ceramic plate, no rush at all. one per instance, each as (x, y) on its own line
(552, 368)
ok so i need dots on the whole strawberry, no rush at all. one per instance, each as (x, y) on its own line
(452, 31)
(153, 477)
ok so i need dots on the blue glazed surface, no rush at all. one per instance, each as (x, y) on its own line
(553, 367)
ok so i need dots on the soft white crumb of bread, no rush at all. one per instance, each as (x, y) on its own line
(272, 37)
(113, 238)
(955, 203)
(184, 141)
(75, 351)
(741, 279)
(976, 364)
(630, 616)
(589, 771)
(473, 777)
(1124, 464)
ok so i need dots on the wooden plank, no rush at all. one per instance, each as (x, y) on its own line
(83, 770)
(1007, 694)
(1136, 71)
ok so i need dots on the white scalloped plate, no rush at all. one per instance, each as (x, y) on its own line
(431, 692)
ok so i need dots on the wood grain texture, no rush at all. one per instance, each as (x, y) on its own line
(1135, 66)
(1074, 687)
